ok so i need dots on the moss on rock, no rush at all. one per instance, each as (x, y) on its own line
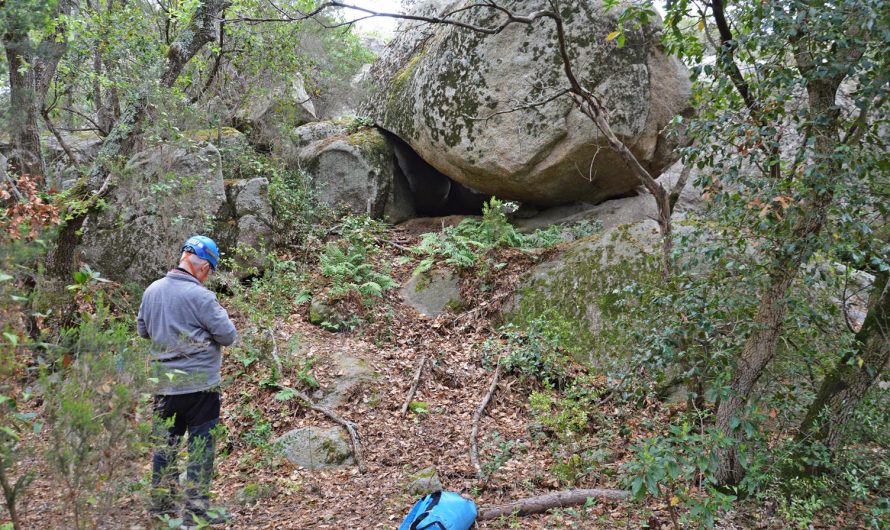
(573, 288)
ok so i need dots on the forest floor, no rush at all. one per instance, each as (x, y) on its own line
(261, 489)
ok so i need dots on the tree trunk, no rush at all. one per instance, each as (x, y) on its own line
(25, 106)
(761, 345)
(758, 351)
(31, 70)
(843, 389)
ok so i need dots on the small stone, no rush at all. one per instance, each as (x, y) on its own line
(251, 493)
(424, 482)
(432, 292)
(316, 447)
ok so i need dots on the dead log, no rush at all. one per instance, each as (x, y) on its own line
(474, 452)
(414, 386)
(549, 501)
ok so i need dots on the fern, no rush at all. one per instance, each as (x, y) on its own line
(347, 263)
(463, 245)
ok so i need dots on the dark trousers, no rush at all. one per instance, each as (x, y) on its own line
(196, 413)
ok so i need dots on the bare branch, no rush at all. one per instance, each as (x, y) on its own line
(523, 107)
(346, 424)
(52, 128)
(96, 126)
(474, 433)
(674, 195)
(414, 386)
(15, 190)
(509, 17)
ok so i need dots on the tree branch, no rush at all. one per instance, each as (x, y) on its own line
(510, 17)
(346, 424)
(414, 386)
(727, 61)
(674, 195)
(474, 433)
(727, 48)
(96, 126)
(15, 190)
(52, 128)
(216, 64)
(511, 110)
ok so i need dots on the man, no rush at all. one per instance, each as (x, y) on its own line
(187, 327)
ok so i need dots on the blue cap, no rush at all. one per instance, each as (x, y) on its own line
(204, 248)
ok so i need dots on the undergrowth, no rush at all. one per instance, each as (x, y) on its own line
(464, 245)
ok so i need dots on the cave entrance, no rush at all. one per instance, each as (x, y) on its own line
(434, 193)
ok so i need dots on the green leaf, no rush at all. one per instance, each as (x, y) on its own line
(5, 277)
(611, 36)
(12, 338)
(652, 485)
(636, 486)
(418, 407)
(11, 434)
(286, 394)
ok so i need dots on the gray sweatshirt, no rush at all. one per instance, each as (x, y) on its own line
(187, 326)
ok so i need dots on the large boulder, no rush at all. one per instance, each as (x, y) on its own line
(432, 87)
(570, 287)
(249, 223)
(62, 173)
(164, 194)
(624, 211)
(353, 170)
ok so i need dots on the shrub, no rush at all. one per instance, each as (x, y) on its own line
(95, 409)
(533, 353)
(297, 214)
(679, 468)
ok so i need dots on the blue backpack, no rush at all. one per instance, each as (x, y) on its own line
(442, 510)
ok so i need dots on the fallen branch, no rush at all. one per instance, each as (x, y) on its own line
(395, 245)
(414, 385)
(548, 501)
(474, 452)
(346, 424)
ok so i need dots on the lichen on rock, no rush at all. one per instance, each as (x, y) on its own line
(439, 88)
